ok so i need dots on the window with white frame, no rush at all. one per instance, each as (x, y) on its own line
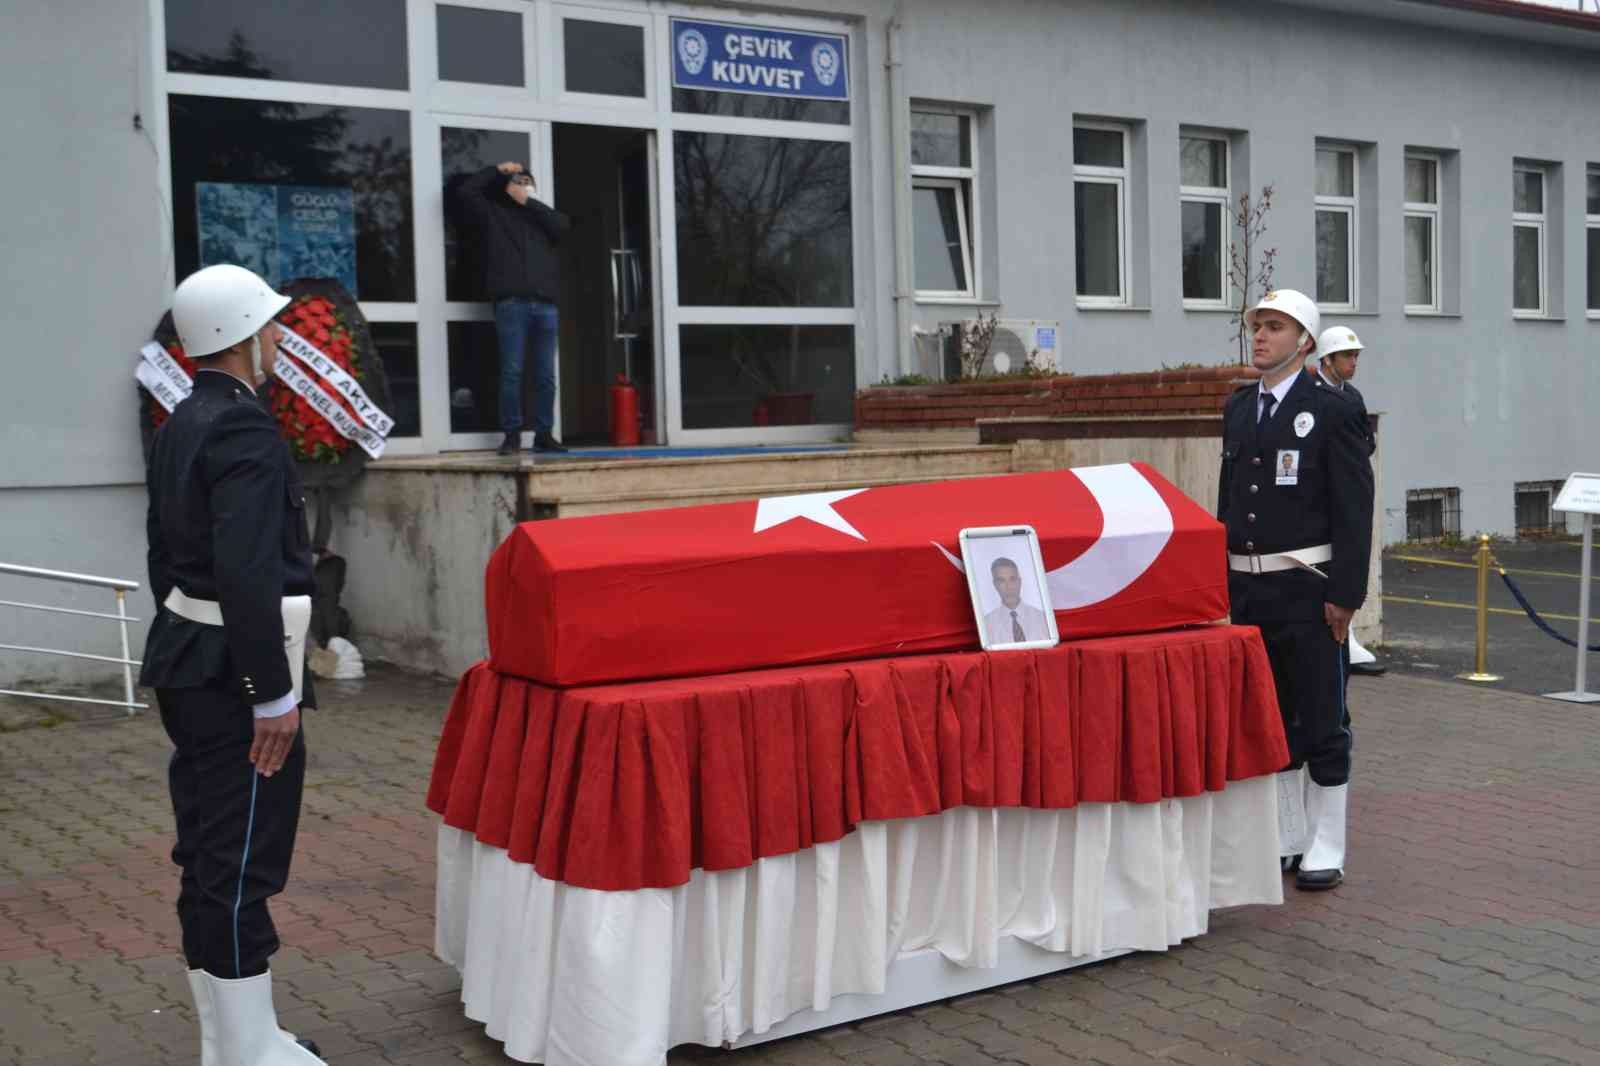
(1592, 232)
(1203, 193)
(1422, 221)
(944, 180)
(1336, 202)
(1099, 207)
(1529, 283)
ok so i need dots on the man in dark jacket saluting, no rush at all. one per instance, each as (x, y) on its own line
(1296, 495)
(230, 566)
(518, 238)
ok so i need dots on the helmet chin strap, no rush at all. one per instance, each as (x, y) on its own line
(1291, 357)
(257, 375)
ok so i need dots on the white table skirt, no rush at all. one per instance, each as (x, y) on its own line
(578, 977)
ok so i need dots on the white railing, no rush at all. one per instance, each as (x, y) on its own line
(120, 589)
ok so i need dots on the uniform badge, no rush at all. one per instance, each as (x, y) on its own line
(1287, 467)
(1303, 423)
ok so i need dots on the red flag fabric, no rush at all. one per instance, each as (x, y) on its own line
(619, 787)
(839, 575)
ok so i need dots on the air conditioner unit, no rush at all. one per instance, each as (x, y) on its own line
(1017, 344)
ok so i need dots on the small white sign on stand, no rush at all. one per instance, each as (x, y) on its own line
(1581, 495)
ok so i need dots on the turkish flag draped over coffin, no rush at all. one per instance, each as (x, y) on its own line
(839, 575)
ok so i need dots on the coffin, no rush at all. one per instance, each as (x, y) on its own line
(839, 575)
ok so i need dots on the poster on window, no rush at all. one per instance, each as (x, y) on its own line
(279, 231)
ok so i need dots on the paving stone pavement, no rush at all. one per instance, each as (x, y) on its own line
(1468, 930)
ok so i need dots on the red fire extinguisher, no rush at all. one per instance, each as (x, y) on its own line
(624, 413)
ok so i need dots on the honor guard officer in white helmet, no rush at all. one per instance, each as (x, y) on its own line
(1296, 496)
(230, 565)
(1338, 355)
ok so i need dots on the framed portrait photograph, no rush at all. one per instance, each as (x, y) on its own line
(1010, 597)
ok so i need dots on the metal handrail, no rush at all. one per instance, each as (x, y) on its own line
(120, 589)
(67, 610)
(63, 575)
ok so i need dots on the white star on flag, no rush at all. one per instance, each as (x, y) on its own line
(817, 506)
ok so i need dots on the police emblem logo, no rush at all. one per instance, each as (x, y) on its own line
(825, 63)
(1303, 423)
(692, 50)
(1351, 337)
(1269, 297)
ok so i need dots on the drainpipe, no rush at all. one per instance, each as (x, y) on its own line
(900, 135)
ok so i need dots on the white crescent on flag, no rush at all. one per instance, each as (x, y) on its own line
(1137, 526)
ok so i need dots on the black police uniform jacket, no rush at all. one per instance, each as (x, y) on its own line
(517, 243)
(226, 523)
(1330, 501)
(1353, 394)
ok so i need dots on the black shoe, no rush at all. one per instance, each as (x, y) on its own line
(509, 445)
(546, 442)
(1290, 863)
(1369, 669)
(309, 1046)
(1318, 880)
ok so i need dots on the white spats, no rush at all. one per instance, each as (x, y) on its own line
(1327, 843)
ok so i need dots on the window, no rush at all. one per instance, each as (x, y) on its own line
(362, 43)
(1336, 228)
(1099, 193)
(603, 58)
(1422, 221)
(762, 221)
(1528, 282)
(1203, 192)
(1433, 514)
(480, 46)
(231, 162)
(1592, 217)
(944, 179)
(1533, 500)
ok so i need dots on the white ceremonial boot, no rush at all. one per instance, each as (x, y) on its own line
(1323, 865)
(247, 1025)
(204, 1010)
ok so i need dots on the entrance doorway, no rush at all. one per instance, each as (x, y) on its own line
(602, 181)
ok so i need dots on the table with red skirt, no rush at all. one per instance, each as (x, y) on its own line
(623, 868)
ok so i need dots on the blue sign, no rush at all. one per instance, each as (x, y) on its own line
(1047, 338)
(730, 58)
(281, 232)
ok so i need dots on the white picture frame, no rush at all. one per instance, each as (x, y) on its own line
(984, 551)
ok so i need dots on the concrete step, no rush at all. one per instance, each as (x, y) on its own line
(576, 505)
(904, 438)
(764, 474)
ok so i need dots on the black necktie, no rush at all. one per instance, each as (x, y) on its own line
(1268, 402)
(1016, 629)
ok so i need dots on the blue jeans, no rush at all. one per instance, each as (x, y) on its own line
(522, 323)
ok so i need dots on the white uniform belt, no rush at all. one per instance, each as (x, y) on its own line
(1298, 559)
(296, 622)
(206, 612)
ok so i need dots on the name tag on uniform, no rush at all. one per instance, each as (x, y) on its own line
(1288, 467)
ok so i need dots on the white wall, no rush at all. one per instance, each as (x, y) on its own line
(85, 273)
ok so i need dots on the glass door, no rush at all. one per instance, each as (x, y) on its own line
(455, 314)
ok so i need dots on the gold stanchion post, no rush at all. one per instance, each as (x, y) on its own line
(1480, 671)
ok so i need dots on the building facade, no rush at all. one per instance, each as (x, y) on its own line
(778, 204)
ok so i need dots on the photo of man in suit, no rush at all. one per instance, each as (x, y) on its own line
(1014, 620)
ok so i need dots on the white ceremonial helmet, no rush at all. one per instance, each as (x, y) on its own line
(1297, 305)
(1338, 339)
(219, 306)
